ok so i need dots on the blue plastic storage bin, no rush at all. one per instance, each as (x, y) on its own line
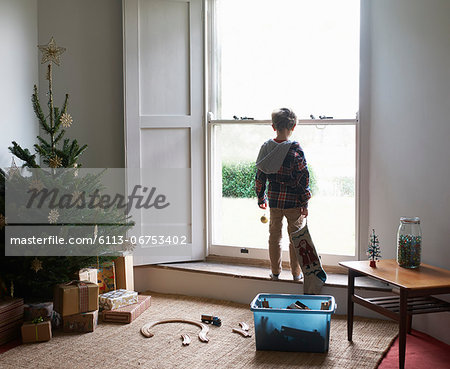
(280, 329)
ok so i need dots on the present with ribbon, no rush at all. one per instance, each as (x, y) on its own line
(88, 274)
(127, 314)
(75, 297)
(106, 277)
(81, 323)
(117, 299)
(39, 330)
(36, 310)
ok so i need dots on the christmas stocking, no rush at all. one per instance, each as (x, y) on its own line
(314, 275)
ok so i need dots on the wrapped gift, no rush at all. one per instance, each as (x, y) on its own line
(81, 323)
(128, 313)
(10, 331)
(56, 320)
(88, 274)
(11, 319)
(75, 297)
(106, 277)
(117, 299)
(38, 330)
(33, 311)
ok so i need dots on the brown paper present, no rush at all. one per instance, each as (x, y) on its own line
(128, 313)
(11, 319)
(81, 323)
(33, 311)
(36, 332)
(88, 274)
(75, 297)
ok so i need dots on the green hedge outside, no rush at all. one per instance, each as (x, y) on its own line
(238, 180)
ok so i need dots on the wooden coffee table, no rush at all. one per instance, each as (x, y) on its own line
(416, 289)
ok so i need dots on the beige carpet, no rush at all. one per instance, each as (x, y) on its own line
(116, 346)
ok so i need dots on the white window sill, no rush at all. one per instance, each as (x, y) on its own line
(262, 273)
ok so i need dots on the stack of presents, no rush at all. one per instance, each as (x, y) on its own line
(77, 307)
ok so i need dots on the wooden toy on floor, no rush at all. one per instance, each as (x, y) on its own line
(209, 319)
(244, 326)
(243, 331)
(186, 339)
(145, 330)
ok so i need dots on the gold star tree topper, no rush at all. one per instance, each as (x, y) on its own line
(51, 52)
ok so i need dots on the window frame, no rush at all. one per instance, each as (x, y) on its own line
(212, 98)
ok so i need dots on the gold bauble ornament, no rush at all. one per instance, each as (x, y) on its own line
(264, 219)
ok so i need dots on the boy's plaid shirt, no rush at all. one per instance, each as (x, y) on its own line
(289, 187)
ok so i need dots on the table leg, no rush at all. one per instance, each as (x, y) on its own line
(403, 327)
(350, 304)
(409, 324)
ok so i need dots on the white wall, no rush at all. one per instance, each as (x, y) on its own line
(91, 72)
(409, 151)
(18, 74)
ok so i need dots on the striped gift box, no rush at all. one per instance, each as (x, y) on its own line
(129, 313)
(11, 319)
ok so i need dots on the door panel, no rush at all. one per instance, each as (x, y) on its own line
(163, 55)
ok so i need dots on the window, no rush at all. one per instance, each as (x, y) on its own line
(288, 53)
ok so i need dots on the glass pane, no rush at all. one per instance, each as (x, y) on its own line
(331, 156)
(301, 54)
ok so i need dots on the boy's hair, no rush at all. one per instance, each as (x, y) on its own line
(283, 118)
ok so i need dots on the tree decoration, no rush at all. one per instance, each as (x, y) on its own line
(2, 221)
(51, 52)
(373, 252)
(36, 265)
(53, 216)
(13, 170)
(128, 246)
(55, 162)
(36, 184)
(66, 120)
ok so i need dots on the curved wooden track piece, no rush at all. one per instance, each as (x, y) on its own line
(186, 339)
(241, 332)
(244, 326)
(145, 330)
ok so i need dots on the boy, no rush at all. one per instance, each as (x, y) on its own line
(282, 163)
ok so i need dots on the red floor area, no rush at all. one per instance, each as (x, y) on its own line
(422, 352)
(9, 345)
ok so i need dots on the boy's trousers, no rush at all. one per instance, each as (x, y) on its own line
(295, 221)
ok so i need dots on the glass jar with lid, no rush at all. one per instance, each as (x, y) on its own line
(409, 242)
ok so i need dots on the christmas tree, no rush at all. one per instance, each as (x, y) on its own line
(373, 252)
(30, 276)
(51, 152)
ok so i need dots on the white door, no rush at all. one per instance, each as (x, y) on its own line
(163, 66)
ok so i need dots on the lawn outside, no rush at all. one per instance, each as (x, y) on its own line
(240, 224)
